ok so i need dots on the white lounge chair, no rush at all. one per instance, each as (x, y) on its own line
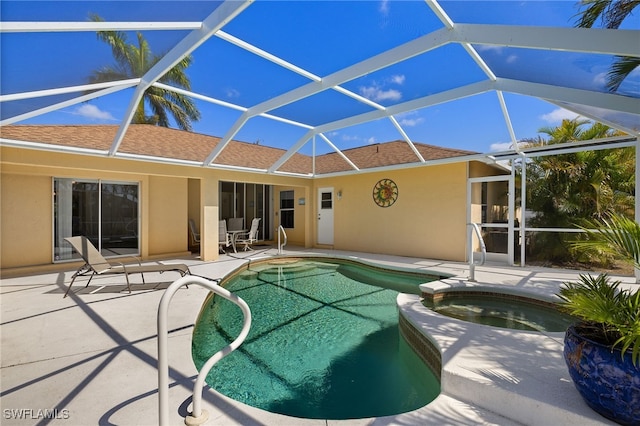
(96, 264)
(248, 238)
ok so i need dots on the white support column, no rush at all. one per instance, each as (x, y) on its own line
(313, 155)
(507, 119)
(523, 209)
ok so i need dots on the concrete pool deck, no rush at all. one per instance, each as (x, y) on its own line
(92, 358)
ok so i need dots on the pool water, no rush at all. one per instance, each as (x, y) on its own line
(323, 344)
(505, 313)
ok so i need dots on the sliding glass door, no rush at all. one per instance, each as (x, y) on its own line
(105, 212)
(246, 201)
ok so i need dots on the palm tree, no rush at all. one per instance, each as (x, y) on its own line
(569, 130)
(611, 13)
(566, 189)
(587, 184)
(134, 61)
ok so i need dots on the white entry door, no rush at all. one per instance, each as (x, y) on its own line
(325, 216)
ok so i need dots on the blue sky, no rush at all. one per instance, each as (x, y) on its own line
(320, 37)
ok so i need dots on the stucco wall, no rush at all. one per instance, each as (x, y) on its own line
(26, 210)
(168, 218)
(427, 220)
(479, 169)
(299, 233)
(26, 220)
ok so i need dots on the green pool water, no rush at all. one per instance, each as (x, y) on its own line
(323, 343)
(503, 312)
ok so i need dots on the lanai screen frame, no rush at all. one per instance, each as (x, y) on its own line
(603, 41)
(584, 102)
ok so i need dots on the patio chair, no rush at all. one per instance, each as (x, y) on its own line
(248, 238)
(96, 264)
(236, 223)
(224, 238)
(194, 234)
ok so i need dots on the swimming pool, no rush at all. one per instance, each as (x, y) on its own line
(324, 344)
(502, 310)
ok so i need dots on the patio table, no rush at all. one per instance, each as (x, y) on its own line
(234, 235)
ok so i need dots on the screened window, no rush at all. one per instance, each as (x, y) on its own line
(246, 201)
(104, 212)
(286, 209)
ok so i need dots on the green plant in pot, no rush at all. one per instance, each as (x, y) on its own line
(602, 350)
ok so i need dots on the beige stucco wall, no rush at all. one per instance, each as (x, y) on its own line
(26, 225)
(479, 169)
(168, 194)
(27, 202)
(168, 215)
(427, 220)
(300, 235)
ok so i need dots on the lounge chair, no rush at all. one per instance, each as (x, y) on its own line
(248, 238)
(96, 264)
(224, 238)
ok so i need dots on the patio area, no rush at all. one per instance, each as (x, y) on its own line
(91, 358)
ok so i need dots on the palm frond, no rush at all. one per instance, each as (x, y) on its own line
(135, 61)
(598, 301)
(117, 40)
(615, 234)
(618, 11)
(107, 74)
(628, 324)
(594, 9)
(620, 69)
(592, 298)
(610, 12)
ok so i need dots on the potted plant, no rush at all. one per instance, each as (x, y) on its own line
(603, 349)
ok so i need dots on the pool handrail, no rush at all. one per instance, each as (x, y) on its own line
(198, 416)
(281, 228)
(483, 248)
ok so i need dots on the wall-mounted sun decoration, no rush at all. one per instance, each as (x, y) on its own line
(385, 192)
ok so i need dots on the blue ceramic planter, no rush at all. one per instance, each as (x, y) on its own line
(608, 383)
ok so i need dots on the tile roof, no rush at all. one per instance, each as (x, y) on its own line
(384, 154)
(143, 139)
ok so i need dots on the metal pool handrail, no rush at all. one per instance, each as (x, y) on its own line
(198, 416)
(483, 248)
(281, 228)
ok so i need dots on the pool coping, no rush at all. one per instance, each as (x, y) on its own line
(535, 390)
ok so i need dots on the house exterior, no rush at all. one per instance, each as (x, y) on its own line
(60, 180)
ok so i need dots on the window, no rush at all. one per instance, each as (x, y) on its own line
(286, 209)
(104, 212)
(326, 202)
